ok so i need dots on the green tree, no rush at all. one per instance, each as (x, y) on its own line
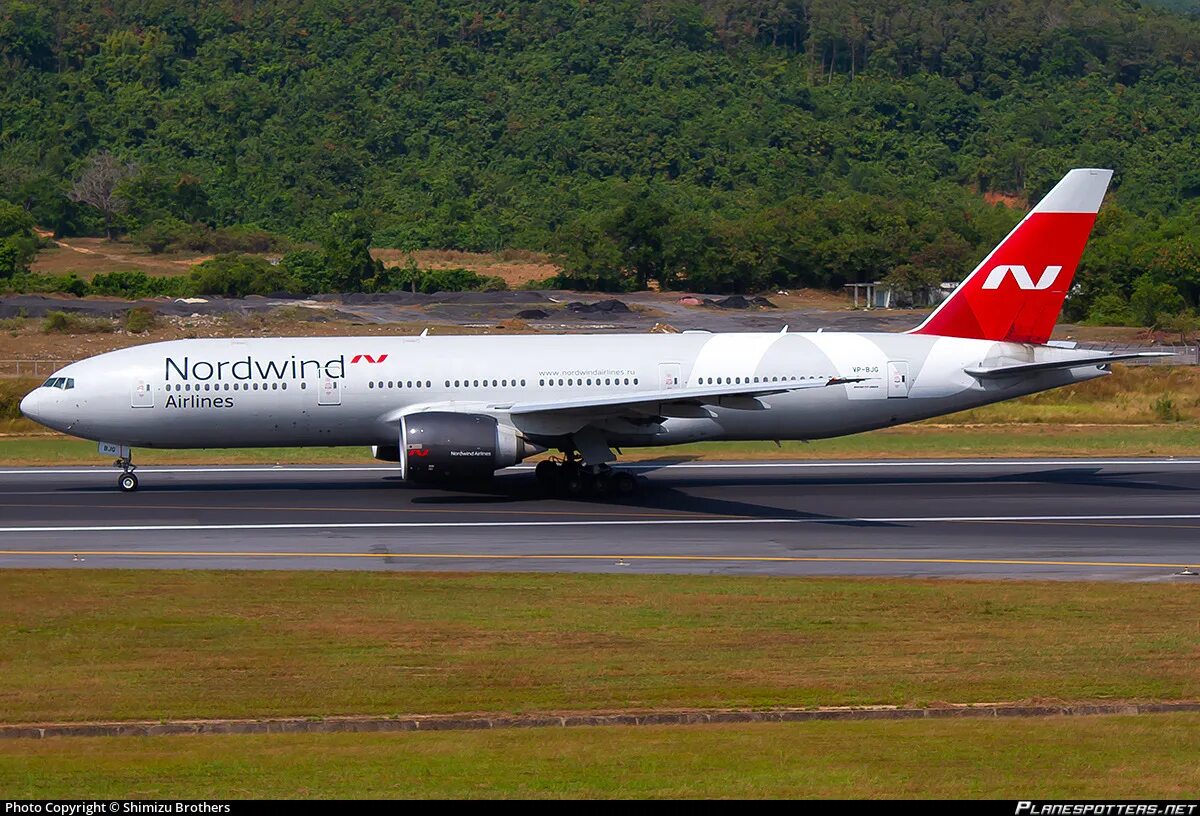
(347, 249)
(233, 275)
(1151, 301)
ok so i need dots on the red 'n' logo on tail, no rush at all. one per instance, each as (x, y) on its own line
(1002, 299)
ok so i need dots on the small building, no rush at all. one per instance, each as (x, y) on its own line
(879, 295)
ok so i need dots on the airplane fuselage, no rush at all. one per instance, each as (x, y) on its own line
(354, 390)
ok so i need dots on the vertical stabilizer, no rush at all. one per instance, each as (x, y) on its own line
(1017, 293)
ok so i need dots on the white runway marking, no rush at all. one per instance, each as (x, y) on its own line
(949, 463)
(389, 525)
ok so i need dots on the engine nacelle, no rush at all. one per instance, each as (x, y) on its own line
(442, 446)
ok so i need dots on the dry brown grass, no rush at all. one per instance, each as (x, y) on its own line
(88, 257)
(1130, 395)
(515, 266)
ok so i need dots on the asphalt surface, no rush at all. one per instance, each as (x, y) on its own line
(1134, 520)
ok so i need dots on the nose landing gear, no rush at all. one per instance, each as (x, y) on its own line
(127, 482)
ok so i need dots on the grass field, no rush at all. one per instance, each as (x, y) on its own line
(149, 645)
(1098, 757)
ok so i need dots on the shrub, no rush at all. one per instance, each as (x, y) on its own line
(171, 233)
(139, 320)
(1151, 300)
(66, 323)
(137, 284)
(1166, 410)
(1110, 310)
(437, 280)
(165, 233)
(234, 275)
(12, 391)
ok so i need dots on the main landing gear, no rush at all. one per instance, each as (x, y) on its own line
(126, 481)
(570, 477)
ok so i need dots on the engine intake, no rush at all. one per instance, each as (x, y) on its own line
(441, 446)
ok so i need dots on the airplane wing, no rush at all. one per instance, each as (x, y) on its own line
(1017, 369)
(744, 396)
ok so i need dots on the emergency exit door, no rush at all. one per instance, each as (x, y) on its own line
(142, 395)
(329, 392)
(897, 379)
(670, 376)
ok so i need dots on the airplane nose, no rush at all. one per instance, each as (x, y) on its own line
(29, 406)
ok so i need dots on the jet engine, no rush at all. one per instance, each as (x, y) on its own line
(441, 446)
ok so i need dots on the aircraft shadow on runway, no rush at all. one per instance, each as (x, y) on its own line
(662, 491)
(1078, 476)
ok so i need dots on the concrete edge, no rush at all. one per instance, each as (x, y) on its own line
(474, 722)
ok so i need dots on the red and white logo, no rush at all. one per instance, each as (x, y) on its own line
(358, 358)
(1021, 275)
(1040, 256)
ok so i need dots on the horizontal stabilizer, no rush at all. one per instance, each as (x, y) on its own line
(993, 372)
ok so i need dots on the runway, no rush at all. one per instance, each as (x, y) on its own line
(1131, 520)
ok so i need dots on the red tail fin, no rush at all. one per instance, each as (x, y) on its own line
(1016, 294)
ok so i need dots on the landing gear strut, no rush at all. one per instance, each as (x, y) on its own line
(126, 481)
(577, 480)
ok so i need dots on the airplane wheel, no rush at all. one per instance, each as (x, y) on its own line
(578, 483)
(547, 474)
(602, 485)
(127, 482)
(623, 484)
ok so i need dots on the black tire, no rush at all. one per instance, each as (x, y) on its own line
(578, 483)
(127, 482)
(547, 473)
(623, 484)
(602, 486)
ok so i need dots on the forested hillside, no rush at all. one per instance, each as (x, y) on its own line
(721, 145)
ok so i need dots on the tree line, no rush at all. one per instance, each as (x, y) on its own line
(725, 145)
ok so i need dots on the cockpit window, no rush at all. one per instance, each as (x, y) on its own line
(70, 383)
(64, 383)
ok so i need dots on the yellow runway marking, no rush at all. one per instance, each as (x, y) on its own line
(600, 557)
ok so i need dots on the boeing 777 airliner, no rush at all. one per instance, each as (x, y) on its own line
(456, 409)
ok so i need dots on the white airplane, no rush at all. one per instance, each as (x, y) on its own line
(456, 409)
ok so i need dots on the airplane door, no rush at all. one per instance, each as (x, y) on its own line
(142, 395)
(669, 375)
(897, 380)
(329, 392)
